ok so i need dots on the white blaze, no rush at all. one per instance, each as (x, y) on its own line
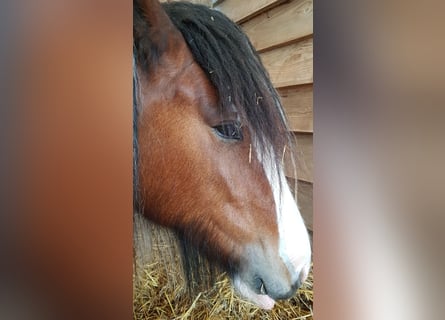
(294, 244)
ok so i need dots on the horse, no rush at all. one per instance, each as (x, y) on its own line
(210, 134)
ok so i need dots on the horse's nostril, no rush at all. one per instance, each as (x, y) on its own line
(263, 288)
(259, 285)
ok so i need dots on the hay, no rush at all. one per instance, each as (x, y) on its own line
(156, 298)
(160, 290)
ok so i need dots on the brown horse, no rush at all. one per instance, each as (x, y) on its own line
(209, 137)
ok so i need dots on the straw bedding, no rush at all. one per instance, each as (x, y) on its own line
(160, 291)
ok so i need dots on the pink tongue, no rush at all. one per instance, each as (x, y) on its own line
(261, 300)
(264, 301)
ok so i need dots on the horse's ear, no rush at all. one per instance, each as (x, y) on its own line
(153, 32)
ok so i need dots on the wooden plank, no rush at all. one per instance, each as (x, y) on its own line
(207, 3)
(304, 200)
(241, 10)
(304, 158)
(298, 105)
(305, 203)
(216, 2)
(281, 25)
(290, 65)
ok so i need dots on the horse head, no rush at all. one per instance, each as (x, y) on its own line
(210, 134)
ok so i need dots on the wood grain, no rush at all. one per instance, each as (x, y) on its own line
(290, 65)
(280, 25)
(305, 203)
(298, 106)
(215, 2)
(207, 3)
(304, 200)
(304, 162)
(241, 10)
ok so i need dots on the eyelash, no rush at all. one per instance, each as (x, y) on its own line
(230, 130)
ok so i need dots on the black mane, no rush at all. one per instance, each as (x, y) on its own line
(234, 68)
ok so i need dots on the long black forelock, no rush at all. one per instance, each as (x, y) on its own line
(234, 68)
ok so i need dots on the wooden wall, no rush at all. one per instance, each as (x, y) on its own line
(282, 32)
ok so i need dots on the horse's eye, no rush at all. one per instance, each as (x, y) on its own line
(229, 130)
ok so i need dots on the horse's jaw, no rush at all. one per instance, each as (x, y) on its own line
(263, 301)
